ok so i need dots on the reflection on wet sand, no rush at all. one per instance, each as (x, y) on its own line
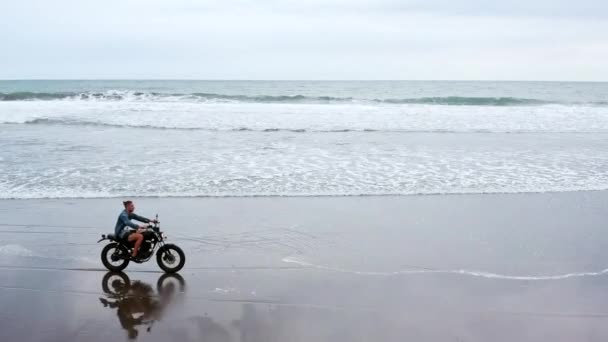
(249, 328)
(206, 329)
(317, 307)
(252, 328)
(138, 306)
(136, 302)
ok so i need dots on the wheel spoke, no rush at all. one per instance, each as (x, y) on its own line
(112, 253)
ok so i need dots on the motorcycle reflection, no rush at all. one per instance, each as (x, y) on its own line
(136, 302)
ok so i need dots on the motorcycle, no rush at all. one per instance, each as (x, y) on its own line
(116, 255)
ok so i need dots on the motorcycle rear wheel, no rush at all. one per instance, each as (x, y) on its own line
(115, 257)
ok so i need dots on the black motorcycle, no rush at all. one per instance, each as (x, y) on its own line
(116, 255)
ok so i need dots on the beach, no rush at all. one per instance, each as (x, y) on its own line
(480, 267)
(307, 171)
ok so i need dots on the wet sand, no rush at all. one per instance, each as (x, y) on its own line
(526, 267)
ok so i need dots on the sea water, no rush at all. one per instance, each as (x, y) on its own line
(73, 139)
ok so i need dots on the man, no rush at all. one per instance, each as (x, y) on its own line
(126, 229)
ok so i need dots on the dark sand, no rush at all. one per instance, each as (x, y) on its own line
(525, 267)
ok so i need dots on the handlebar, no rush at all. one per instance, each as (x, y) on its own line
(154, 224)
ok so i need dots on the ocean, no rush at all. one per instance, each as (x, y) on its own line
(83, 139)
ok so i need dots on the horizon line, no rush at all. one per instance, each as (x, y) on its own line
(291, 80)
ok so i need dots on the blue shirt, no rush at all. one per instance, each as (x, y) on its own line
(124, 220)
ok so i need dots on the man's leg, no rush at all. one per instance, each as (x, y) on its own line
(138, 238)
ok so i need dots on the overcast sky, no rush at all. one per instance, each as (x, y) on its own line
(301, 39)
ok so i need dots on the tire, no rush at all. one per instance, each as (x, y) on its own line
(115, 283)
(170, 282)
(106, 254)
(165, 257)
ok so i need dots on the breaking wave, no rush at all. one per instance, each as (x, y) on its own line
(84, 122)
(219, 98)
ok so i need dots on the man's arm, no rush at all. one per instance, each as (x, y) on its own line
(134, 216)
(125, 220)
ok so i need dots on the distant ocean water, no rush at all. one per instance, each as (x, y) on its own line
(65, 139)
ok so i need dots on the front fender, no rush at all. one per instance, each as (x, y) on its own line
(163, 247)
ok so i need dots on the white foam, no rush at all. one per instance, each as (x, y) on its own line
(229, 290)
(311, 117)
(212, 162)
(303, 169)
(463, 272)
(15, 250)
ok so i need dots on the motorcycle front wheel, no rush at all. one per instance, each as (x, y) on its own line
(170, 258)
(115, 257)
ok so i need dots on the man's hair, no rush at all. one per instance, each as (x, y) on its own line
(126, 203)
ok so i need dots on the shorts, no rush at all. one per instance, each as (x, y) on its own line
(124, 235)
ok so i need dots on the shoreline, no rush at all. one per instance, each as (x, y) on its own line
(294, 224)
(194, 197)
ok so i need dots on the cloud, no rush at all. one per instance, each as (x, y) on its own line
(303, 40)
(538, 8)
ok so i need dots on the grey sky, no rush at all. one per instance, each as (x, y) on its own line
(315, 39)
